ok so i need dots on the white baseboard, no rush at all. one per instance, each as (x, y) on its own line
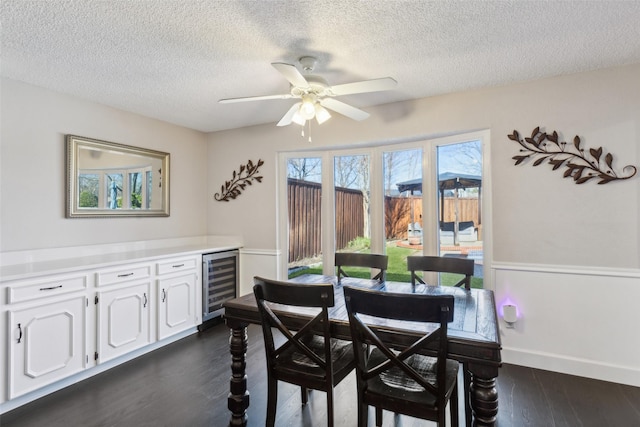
(572, 366)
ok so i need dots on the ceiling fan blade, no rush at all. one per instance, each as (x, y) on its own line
(291, 73)
(288, 117)
(255, 98)
(344, 109)
(375, 85)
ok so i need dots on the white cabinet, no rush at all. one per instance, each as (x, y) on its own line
(64, 323)
(124, 316)
(178, 289)
(47, 342)
(176, 304)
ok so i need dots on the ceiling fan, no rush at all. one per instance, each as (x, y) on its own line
(316, 96)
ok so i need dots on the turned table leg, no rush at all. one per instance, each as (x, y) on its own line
(238, 400)
(484, 400)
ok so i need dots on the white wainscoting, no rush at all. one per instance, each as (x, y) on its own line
(575, 320)
(257, 262)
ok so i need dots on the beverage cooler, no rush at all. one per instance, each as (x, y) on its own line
(219, 282)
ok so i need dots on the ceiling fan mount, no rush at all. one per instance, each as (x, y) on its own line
(316, 95)
(308, 63)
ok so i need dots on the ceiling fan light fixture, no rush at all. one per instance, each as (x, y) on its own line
(307, 109)
(322, 114)
(298, 119)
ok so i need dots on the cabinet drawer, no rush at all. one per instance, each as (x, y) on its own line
(123, 274)
(27, 291)
(169, 266)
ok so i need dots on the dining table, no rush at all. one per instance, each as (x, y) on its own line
(473, 338)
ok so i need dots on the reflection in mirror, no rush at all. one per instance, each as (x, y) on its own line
(109, 179)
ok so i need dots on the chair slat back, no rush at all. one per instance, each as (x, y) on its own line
(351, 259)
(442, 265)
(316, 295)
(405, 307)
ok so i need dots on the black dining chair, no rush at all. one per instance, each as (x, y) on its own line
(441, 265)
(453, 265)
(353, 259)
(392, 375)
(308, 356)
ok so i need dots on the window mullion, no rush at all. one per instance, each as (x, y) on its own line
(328, 214)
(377, 201)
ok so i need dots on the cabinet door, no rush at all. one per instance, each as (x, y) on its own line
(47, 344)
(176, 305)
(123, 321)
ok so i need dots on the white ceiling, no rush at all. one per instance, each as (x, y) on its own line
(173, 60)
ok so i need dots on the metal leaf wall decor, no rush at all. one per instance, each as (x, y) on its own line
(579, 164)
(239, 181)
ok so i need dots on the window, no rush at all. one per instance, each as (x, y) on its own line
(459, 189)
(88, 190)
(108, 189)
(373, 200)
(114, 190)
(352, 202)
(304, 208)
(402, 185)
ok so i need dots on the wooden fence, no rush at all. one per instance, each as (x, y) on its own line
(398, 213)
(304, 197)
(349, 216)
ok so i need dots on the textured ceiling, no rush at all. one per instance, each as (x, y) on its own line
(173, 60)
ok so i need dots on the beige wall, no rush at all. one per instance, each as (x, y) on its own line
(32, 190)
(538, 217)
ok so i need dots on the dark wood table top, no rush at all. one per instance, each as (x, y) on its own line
(474, 335)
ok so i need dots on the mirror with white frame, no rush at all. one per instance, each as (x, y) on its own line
(107, 179)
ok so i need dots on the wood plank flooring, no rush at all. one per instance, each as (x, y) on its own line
(186, 384)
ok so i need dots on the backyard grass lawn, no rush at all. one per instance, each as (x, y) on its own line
(396, 271)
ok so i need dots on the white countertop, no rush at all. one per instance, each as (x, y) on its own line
(77, 262)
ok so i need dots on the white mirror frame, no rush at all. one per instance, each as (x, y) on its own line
(154, 165)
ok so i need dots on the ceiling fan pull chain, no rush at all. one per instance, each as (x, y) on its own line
(309, 130)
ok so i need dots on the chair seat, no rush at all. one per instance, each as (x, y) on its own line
(294, 362)
(394, 384)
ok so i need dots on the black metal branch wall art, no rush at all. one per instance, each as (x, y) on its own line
(580, 164)
(240, 179)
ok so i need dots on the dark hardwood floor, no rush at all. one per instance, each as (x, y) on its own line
(186, 384)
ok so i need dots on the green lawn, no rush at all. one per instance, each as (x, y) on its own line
(397, 270)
